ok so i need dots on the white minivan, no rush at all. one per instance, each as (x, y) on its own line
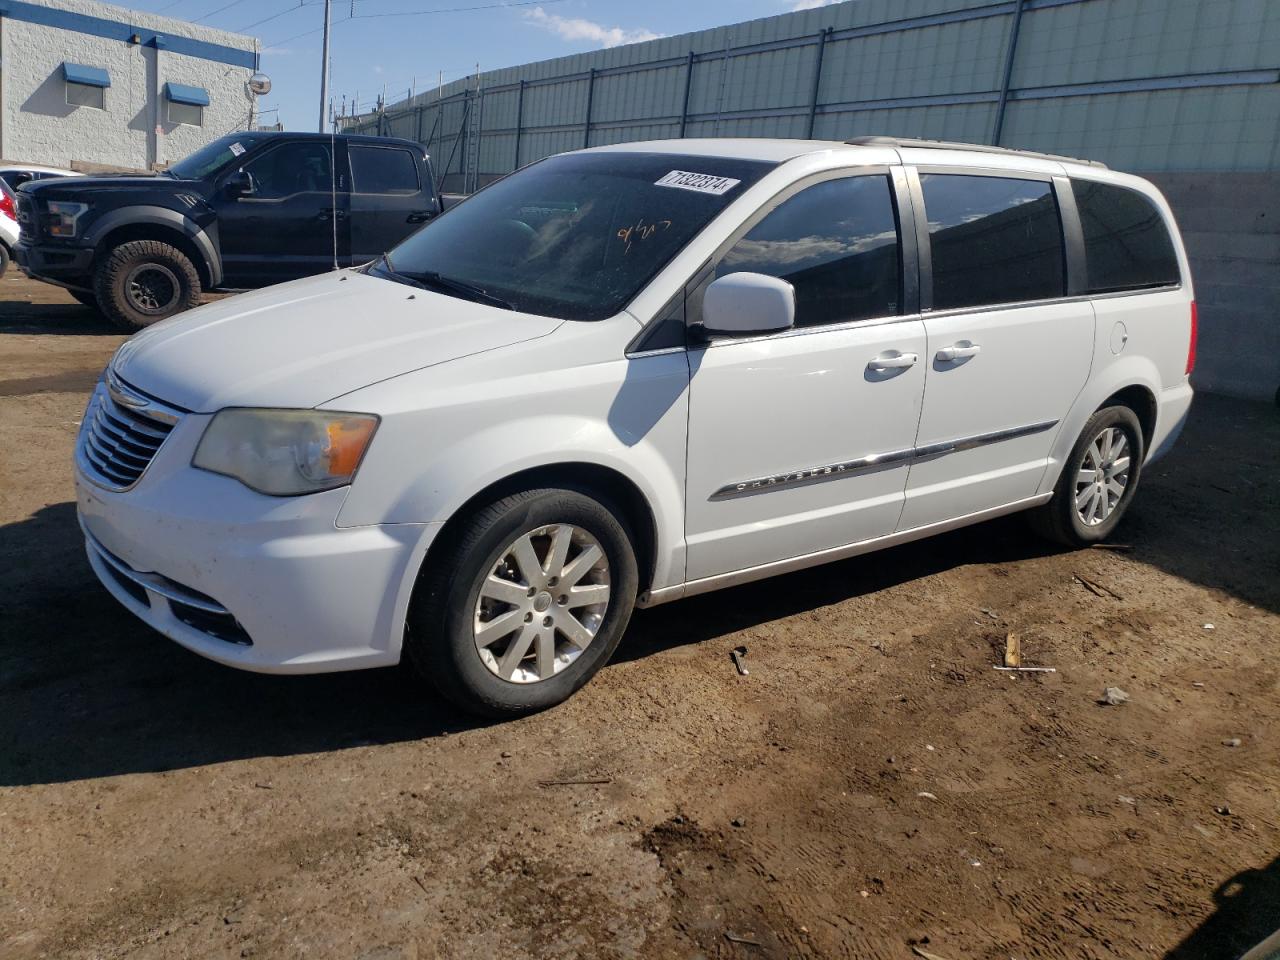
(632, 374)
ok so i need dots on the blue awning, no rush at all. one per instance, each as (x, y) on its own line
(181, 93)
(92, 76)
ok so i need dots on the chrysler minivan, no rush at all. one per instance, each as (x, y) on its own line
(627, 375)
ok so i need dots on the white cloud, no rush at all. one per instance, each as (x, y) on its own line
(811, 4)
(576, 28)
(377, 68)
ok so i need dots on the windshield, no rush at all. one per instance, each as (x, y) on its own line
(213, 156)
(575, 236)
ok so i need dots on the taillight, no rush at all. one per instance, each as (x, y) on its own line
(1191, 347)
(6, 205)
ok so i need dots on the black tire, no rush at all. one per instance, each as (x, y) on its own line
(1059, 519)
(4, 259)
(440, 641)
(87, 298)
(144, 281)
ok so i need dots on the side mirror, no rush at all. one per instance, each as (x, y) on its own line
(240, 184)
(743, 304)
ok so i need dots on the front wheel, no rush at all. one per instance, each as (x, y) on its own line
(525, 603)
(1098, 480)
(145, 281)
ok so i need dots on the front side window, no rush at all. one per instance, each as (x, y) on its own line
(1126, 243)
(836, 243)
(387, 170)
(993, 240)
(575, 236)
(302, 167)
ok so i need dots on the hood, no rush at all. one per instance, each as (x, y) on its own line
(75, 188)
(302, 343)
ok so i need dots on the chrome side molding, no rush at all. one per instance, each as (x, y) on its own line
(849, 468)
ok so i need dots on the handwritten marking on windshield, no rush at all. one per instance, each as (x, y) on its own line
(641, 231)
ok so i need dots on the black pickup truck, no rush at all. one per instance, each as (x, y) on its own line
(247, 210)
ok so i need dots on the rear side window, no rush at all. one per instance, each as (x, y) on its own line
(993, 240)
(1126, 243)
(383, 170)
(836, 243)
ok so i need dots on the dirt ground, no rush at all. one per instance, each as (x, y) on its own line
(872, 786)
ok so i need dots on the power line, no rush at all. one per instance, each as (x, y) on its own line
(425, 13)
(409, 13)
(211, 13)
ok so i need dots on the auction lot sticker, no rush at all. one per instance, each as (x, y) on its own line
(700, 182)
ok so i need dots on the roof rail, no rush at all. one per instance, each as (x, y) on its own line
(976, 147)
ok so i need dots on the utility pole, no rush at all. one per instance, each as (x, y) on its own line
(324, 67)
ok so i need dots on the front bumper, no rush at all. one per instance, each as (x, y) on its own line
(59, 263)
(262, 583)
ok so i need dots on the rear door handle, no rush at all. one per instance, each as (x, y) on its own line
(893, 360)
(957, 351)
(420, 216)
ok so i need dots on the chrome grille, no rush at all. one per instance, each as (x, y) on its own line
(117, 444)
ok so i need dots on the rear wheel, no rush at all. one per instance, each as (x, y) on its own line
(526, 603)
(4, 259)
(1098, 481)
(145, 281)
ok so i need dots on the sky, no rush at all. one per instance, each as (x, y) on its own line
(382, 47)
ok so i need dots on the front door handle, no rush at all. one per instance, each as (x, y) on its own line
(957, 351)
(420, 216)
(892, 361)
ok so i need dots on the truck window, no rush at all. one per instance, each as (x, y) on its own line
(383, 170)
(291, 168)
(1126, 242)
(993, 240)
(836, 243)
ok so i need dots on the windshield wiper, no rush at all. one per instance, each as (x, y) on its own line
(389, 271)
(467, 291)
(428, 279)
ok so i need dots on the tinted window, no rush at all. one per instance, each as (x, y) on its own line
(212, 156)
(292, 168)
(382, 170)
(993, 240)
(577, 236)
(836, 243)
(1126, 243)
(16, 178)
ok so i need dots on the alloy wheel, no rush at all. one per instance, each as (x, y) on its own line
(152, 288)
(1102, 477)
(542, 603)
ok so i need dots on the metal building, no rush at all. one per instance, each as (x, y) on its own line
(1185, 91)
(87, 84)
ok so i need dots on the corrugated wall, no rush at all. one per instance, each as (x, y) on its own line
(1145, 85)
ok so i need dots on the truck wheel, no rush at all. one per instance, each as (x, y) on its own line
(4, 259)
(525, 604)
(144, 281)
(87, 298)
(1098, 481)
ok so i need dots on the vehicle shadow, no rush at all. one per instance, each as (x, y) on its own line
(52, 319)
(1247, 912)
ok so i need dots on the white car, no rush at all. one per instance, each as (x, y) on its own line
(632, 374)
(13, 176)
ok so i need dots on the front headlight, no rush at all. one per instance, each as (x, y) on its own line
(62, 217)
(285, 452)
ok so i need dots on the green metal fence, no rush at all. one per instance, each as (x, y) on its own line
(1140, 84)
